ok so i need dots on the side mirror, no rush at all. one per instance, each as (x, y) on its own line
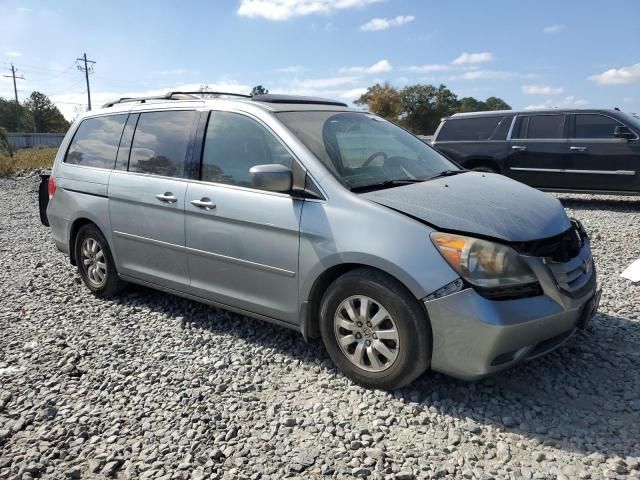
(273, 177)
(623, 132)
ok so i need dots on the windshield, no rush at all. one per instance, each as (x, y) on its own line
(361, 149)
(630, 119)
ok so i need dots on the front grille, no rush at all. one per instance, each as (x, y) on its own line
(560, 248)
(568, 257)
(575, 278)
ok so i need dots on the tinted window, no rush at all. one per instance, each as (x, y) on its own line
(477, 128)
(540, 127)
(594, 126)
(234, 143)
(161, 143)
(95, 143)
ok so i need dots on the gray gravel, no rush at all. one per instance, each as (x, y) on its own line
(153, 386)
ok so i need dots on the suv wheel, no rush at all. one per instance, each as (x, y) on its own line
(374, 330)
(95, 262)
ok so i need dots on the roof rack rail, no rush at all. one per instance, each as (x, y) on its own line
(172, 96)
(271, 98)
(230, 94)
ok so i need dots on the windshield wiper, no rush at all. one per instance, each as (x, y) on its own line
(386, 184)
(446, 173)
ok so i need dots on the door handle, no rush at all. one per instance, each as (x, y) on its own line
(204, 203)
(578, 149)
(520, 148)
(167, 197)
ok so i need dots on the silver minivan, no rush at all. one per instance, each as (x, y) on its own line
(325, 219)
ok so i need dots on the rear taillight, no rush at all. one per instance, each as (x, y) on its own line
(52, 187)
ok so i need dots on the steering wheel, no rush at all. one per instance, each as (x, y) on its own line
(372, 157)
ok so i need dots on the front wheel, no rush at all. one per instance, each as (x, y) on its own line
(374, 330)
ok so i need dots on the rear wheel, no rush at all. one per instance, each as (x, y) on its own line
(374, 330)
(95, 262)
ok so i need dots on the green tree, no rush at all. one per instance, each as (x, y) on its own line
(43, 116)
(5, 147)
(8, 115)
(470, 104)
(423, 106)
(495, 103)
(383, 100)
(258, 90)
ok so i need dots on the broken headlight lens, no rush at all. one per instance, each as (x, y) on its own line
(482, 263)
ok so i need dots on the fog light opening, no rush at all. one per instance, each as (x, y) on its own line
(448, 289)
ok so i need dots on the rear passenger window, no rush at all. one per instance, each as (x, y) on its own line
(234, 143)
(594, 126)
(161, 143)
(95, 143)
(539, 127)
(479, 128)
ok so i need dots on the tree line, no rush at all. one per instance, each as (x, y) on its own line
(420, 107)
(36, 114)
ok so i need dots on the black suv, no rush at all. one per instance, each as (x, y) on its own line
(560, 150)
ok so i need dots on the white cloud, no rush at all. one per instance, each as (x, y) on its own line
(483, 75)
(378, 67)
(377, 24)
(354, 93)
(627, 99)
(567, 102)
(11, 53)
(426, 68)
(541, 90)
(279, 10)
(291, 69)
(553, 28)
(466, 58)
(618, 76)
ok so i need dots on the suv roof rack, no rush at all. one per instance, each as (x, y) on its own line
(271, 98)
(267, 98)
(177, 95)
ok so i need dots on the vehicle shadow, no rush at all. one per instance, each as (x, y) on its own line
(578, 398)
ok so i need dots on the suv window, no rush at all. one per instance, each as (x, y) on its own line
(233, 144)
(539, 127)
(95, 143)
(476, 128)
(594, 126)
(161, 143)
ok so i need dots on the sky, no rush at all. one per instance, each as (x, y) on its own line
(572, 53)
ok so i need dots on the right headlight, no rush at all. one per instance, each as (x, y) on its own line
(482, 263)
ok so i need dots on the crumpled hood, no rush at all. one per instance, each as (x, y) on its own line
(484, 204)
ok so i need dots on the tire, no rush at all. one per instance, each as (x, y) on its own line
(484, 168)
(101, 277)
(404, 359)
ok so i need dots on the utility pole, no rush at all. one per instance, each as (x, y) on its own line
(86, 69)
(15, 92)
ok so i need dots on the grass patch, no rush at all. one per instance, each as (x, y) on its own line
(27, 158)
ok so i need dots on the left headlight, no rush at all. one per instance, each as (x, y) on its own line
(482, 263)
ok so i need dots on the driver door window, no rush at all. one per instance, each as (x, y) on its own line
(594, 126)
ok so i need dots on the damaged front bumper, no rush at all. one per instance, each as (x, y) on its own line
(474, 336)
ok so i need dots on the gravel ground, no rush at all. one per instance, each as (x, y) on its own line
(154, 386)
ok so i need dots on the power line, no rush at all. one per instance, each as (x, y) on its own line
(15, 92)
(86, 69)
